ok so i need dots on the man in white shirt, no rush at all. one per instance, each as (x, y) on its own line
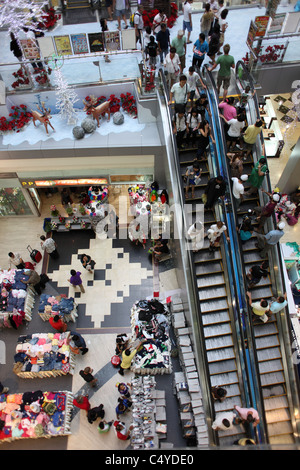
(16, 260)
(120, 10)
(187, 19)
(234, 132)
(138, 23)
(160, 18)
(49, 245)
(172, 66)
(180, 91)
(238, 189)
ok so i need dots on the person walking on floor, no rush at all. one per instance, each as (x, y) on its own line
(124, 389)
(104, 426)
(95, 413)
(50, 246)
(82, 402)
(121, 430)
(187, 19)
(200, 48)
(172, 67)
(152, 52)
(268, 241)
(138, 24)
(206, 20)
(120, 10)
(15, 260)
(163, 41)
(226, 63)
(88, 377)
(58, 324)
(179, 42)
(158, 20)
(124, 405)
(3, 389)
(76, 280)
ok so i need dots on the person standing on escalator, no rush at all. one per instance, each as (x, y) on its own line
(215, 188)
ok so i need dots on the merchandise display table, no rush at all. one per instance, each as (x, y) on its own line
(35, 414)
(50, 306)
(17, 299)
(149, 321)
(43, 355)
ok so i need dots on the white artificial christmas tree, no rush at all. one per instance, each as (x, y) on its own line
(66, 98)
(18, 14)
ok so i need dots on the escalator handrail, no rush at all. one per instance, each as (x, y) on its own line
(241, 285)
(200, 331)
(280, 283)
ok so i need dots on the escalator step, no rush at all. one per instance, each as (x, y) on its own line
(277, 429)
(228, 404)
(224, 380)
(219, 342)
(275, 403)
(268, 354)
(278, 415)
(214, 317)
(272, 379)
(213, 306)
(269, 328)
(217, 330)
(220, 355)
(267, 342)
(213, 293)
(275, 391)
(211, 268)
(216, 370)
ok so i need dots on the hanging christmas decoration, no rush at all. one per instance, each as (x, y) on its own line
(66, 98)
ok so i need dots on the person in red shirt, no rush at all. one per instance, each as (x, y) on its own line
(82, 402)
(58, 323)
(121, 431)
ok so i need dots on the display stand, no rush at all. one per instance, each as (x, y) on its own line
(50, 306)
(42, 355)
(148, 413)
(16, 301)
(154, 357)
(186, 384)
(32, 415)
(272, 134)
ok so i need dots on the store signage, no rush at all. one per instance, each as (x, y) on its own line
(251, 34)
(66, 182)
(261, 23)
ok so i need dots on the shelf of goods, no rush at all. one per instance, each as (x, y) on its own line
(32, 415)
(148, 413)
(17, 298)
(50, 306)
(42, 355)
(73, 223)
(150, 322)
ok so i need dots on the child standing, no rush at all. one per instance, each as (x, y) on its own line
(152, 51)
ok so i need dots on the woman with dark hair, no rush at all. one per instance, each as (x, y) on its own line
(214, 42)
(203, 140)
(87, 262)
(223, 27)
(15, 48)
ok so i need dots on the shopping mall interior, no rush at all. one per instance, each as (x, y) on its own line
(88, 187)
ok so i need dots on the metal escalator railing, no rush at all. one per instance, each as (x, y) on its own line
(253, 396)
(189, 269)
(283, 321)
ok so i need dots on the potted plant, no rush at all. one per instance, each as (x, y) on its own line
(83, 224)
(54, 211)
(82, 209)
(68, 225)
(61, 219)
(69, 210)
(54, 225)
(75, 220)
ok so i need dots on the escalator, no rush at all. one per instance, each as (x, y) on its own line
(268, 337)
(215, 302)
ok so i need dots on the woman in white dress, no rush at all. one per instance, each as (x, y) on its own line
(196, 235)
